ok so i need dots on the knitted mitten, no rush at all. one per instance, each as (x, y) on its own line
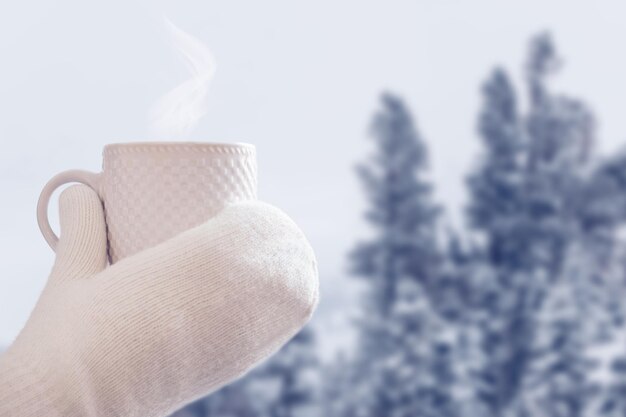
(159, 329)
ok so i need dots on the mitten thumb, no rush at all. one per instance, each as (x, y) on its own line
(82, 248)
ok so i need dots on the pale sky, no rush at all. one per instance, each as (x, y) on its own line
(299, 80)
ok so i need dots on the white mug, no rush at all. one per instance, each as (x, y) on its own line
(152, 191)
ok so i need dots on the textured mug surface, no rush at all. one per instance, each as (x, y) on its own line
(153, 191)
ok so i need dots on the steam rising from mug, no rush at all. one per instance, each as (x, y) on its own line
(177, 113)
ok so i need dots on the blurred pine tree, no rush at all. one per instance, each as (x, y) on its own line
(403, 364)
(546, 242)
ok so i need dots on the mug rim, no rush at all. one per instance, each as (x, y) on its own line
(219, 147)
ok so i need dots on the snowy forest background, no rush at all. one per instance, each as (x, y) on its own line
(520, 313)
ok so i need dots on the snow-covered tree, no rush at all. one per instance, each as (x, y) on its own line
(403, 364)
(521, 205)
(560, 132)
(401, 208)
(496, 213)
(496, 187)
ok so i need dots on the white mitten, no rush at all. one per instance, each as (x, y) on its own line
(161, 328)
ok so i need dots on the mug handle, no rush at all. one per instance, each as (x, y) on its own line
(75, 175)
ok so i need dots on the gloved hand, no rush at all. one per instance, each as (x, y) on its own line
(161, 328)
